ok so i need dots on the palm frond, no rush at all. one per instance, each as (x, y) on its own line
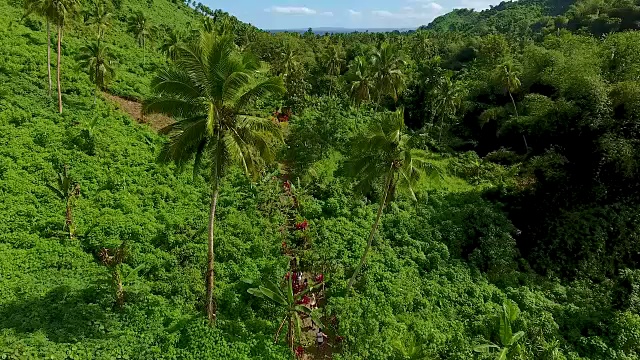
(273, 85)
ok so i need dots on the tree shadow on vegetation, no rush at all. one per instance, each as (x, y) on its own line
(63, 314)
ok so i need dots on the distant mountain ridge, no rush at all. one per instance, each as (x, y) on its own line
(340, 30)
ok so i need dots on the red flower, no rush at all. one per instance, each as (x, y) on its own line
(299, 351)
(319, 278)
(302, 225)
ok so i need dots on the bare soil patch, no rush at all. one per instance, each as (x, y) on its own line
(134, 109)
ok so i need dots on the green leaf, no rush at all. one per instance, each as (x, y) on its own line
(503, 354)
(484, 348)
(516, 337)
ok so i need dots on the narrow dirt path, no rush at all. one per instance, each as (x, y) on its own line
(134, 109)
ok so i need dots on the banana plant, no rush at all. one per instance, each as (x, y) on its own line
(509, 342)
(285, 297)
(113, 259)
(67, 191)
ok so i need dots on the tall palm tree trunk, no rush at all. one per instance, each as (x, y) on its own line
(58, 69)
(49, 55)
(515, 108)
(383, 203)
(211, 310)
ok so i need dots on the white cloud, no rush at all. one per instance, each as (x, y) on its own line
(354, 13)
(428, 11)
(292, 10)
(476, 4)
(383, 13)
(327, 13)
(433, 6)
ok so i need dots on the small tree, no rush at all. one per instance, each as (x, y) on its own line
(285, 297)
(113, 259)
(509, 342)
(68, 191)
(96, 58)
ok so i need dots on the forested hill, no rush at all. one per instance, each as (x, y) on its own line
(531, 17)
(469, 190)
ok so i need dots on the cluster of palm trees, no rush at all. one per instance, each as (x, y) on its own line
(207, 89)
(54, 12)
(379, 75)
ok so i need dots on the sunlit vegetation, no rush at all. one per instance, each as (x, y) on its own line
(468, 190)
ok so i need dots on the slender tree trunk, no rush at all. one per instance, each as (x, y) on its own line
(290, 334)
(383, 203)
(275, 340)
(211, 310)
(515, 108)
(49, 55)
(58, 69)
(117, 282)
(69, 220)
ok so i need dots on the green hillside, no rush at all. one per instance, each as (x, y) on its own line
(485, 166)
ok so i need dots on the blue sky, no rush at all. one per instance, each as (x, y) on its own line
(301, 14)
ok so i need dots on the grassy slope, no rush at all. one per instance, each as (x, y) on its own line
(55, 298)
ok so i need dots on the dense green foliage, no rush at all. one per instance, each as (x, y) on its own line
(525, 243)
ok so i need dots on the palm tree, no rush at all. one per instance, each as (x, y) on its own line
(207, 91)
(359, 77)
(508, 77)
(384, 156)
(44, 9)
(285, 297)
(171, 43)
(61, 10)
(96, 58)
(288, 61)
(333, 61)
(141, 29)
(100, 18)
(387, 65)
(447, 99)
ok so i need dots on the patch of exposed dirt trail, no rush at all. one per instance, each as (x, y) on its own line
(134, 109)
